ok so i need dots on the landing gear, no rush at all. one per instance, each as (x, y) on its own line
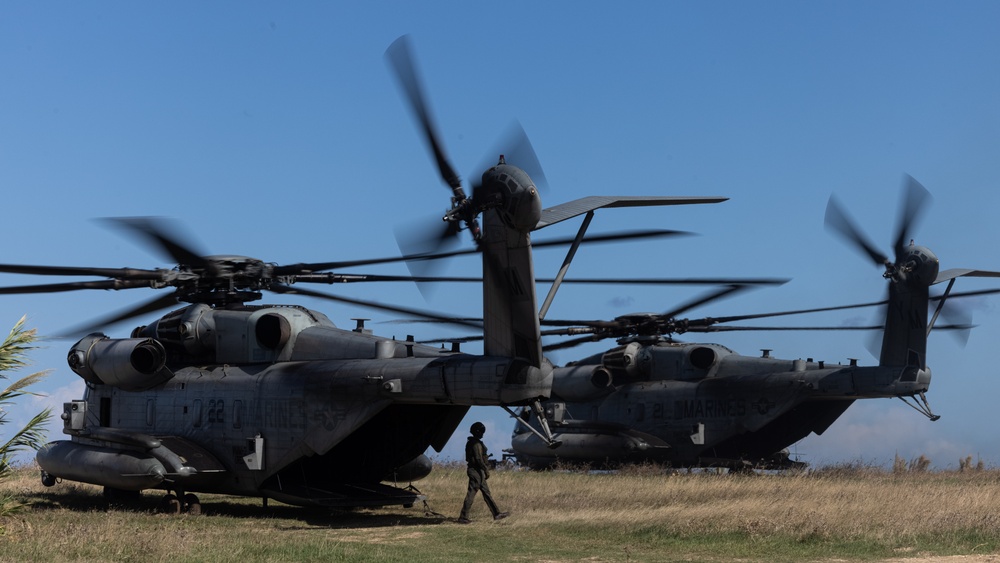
(547, 437)
(192, 505)
(921, 405)
(170, 504)
(48, 480)
(180, 503)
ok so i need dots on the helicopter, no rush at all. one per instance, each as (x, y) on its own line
(222, 395)
(683, 404)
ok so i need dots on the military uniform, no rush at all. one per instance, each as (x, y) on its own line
(478, 472)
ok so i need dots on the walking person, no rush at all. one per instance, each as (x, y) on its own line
(478, 472)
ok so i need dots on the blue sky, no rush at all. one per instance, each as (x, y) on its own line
(278, 132)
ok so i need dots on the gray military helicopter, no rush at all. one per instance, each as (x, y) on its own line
(654, 399)
(275, 401)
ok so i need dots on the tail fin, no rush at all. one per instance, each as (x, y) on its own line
(510, 306)
(904, 342)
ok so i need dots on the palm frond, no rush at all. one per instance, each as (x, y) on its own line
(16, 389)
(32, 436)
(14, 348)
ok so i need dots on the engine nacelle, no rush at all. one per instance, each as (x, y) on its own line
(581, 383)
(131, 364)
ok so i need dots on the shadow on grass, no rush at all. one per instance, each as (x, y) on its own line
(217, 506)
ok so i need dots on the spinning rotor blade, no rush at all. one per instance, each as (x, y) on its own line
(671, 281)
(329, 278)
(572, 343)
(915, 200)
(794, 312)
(837, 220)
(285, 289)
(310, 268)
(516, 148)
(157, 232)
(162, 302)
(73, 286)
(706, 298)
(118, 273)
(400, 58)
(422, 239)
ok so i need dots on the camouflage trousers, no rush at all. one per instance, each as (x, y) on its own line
(477, 483)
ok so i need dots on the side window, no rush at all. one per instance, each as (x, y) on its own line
(237, 414)
(196, 414)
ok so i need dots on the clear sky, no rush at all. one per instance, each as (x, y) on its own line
(277, 131)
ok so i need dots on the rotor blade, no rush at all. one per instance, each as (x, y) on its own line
(570, 343)
(120, 273)
(285, 289)
(958, 327)
(157, 232)
(612, 237)
(670, 281)
(716, 320)
(957, 315)
(161, 302)
(460, 340)
(309, 268)
(517, 150)
(733, 318)
(426, 237)
(705, 298)
(331, 278)
(837, 220)
(975, 293)
(73, 286)
(400, 58)
(730, 328)
(915, 200)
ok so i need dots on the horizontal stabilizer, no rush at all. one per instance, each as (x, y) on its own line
(568, 210)
(954, 273)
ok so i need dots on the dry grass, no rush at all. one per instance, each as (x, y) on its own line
(644, 514)
(875, 506)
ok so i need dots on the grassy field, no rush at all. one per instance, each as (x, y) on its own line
(644, 514)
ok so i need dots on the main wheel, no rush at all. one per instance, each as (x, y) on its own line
(192, 504)
(169, 504)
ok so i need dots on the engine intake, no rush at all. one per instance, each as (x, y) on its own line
(131, 364)
(581, 383)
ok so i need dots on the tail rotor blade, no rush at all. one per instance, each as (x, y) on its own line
(517, 150)
(400, 58)
(838, 221)
(915, 200)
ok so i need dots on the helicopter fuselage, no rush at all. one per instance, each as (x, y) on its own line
(272, 402)
(699, 404)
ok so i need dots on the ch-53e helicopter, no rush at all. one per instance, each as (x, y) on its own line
(703, 405)
(275, 401)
